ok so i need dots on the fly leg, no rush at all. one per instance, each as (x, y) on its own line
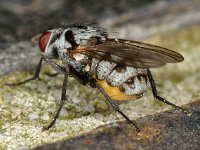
(116, 108)
(84, 79)
(58, 68)
(63, 95)
(55, 66)
(80, 77)
(155, 94)
(68, 70)
(36, 76)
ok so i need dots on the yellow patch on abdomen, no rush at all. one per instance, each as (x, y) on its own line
(113, 92)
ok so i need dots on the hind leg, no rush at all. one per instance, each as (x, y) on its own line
(155, 93)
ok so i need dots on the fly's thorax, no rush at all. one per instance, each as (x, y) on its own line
(79, 64)
(126, 81)
(84, 33)
(76, 37)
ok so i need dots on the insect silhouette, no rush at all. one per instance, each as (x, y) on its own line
(119, 68)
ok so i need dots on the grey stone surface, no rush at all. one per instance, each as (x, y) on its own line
(170, 130)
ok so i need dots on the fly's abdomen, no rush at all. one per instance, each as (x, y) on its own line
(121, 82)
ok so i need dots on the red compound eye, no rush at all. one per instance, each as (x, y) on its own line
(43, 40)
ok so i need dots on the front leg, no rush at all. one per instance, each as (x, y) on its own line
(67, 70)
(80, 77)
(63, 97)
(36, 76)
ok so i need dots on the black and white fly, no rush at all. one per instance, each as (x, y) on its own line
(119, 68)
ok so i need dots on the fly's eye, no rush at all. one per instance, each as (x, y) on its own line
(43, 40)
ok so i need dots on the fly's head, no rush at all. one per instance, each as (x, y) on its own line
(52, 42)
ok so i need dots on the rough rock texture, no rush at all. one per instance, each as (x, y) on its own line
(168, 130)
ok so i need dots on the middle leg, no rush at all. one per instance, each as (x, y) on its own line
(116, 108)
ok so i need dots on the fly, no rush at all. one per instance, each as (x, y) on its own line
(119, 68)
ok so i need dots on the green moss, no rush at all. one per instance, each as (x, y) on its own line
(179, 40)
(3, 147)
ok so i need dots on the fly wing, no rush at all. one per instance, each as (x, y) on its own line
(132, 53)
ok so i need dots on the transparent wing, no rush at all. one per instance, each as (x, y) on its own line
(131, 53)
